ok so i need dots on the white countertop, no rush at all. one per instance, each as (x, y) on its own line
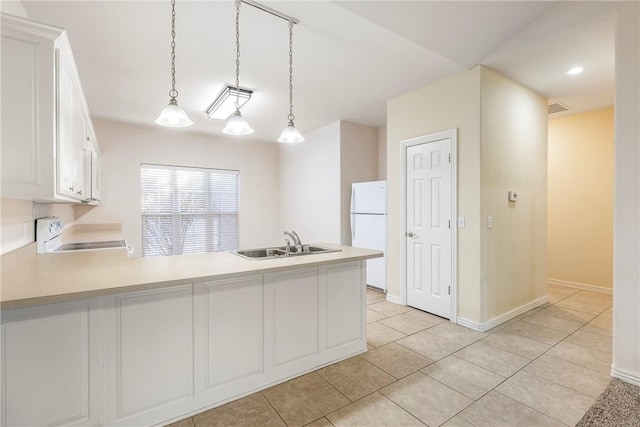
(29, 279)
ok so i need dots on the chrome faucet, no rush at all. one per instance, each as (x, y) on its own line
(296, 240)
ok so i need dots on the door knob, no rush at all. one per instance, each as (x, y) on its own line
(411, 234)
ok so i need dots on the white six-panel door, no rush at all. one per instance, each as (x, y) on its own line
(429, 222)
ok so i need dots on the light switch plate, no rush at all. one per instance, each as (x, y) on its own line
(460, 222)
(489, 222)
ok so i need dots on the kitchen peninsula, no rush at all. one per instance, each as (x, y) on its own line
(96, 338)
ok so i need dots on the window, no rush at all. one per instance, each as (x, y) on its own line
(188, 210)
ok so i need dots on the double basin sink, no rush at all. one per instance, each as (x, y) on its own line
(281, 252)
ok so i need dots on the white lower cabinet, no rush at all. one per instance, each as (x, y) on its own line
(168, 353)
(230, 349)
(51, 365)
(148, 365)
(292, 320)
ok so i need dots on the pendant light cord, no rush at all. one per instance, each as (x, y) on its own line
(237, 104)
(173, 93)
(291, 117)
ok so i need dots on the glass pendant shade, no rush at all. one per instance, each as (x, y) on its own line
(237, 125)
(290, 135)
(173, 116)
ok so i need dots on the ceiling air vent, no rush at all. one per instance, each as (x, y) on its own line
(556, 107)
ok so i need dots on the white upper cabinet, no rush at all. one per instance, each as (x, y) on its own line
(46, 127)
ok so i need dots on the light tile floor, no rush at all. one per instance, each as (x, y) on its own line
(543, 368)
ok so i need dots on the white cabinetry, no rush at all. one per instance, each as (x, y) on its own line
(51, 365)
(167, 353)
(150, 363)
(45, 120)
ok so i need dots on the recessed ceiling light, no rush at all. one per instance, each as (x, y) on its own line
(573, 71)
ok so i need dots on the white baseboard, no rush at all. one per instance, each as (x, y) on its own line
(479, 327)
(582, 286)
(626, 376)
(394, 299)
(483, 327)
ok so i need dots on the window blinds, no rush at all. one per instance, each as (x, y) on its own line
(188, 210)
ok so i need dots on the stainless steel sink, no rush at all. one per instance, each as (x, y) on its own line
(281, 252)
(260, 253)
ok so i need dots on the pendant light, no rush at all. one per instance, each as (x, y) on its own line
(172, 115)
(237, 125)
(290, 134)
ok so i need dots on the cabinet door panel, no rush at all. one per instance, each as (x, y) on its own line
(28, 98)
(234, 330)
(50, 365)
(65, 160)
(295, 306)
(345, 290)
(153, 349)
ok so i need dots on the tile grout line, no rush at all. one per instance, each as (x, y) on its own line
(272, 407)
(520, 370)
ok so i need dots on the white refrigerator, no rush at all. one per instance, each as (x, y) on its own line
(369, 226)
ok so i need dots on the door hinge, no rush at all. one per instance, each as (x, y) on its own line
(449, 223)
(449, 290)
(449, 157)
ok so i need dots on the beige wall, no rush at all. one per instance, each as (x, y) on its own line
(452, 103)
(358, 163)
(626, 237)
(310, 186)
(580, 210)
(382, 153)
(125, 146)
(514, 158)
(502, 132)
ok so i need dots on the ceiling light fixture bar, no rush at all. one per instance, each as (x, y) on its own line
(271, 11)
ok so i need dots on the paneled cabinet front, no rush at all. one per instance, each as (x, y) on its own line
(149, 360)
(51, 365)
(153, 356)
(45, 119)
(231, 345)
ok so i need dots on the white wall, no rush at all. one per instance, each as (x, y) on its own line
(626, 237)
(452, 103)
(13, 8)
(310, 186)
(16, 224)
(358, 163)
(125, 146)
(514, 158)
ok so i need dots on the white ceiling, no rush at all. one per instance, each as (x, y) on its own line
(349, 57)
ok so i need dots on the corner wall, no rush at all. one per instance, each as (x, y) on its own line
(514, 158)
(626, 234)
(452, 103)
(310, 186)
(580, 210)
(358, 163)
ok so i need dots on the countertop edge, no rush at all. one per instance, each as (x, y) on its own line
(262, 267)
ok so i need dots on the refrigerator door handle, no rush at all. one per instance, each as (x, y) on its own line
(353, 228)
(353, 200)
